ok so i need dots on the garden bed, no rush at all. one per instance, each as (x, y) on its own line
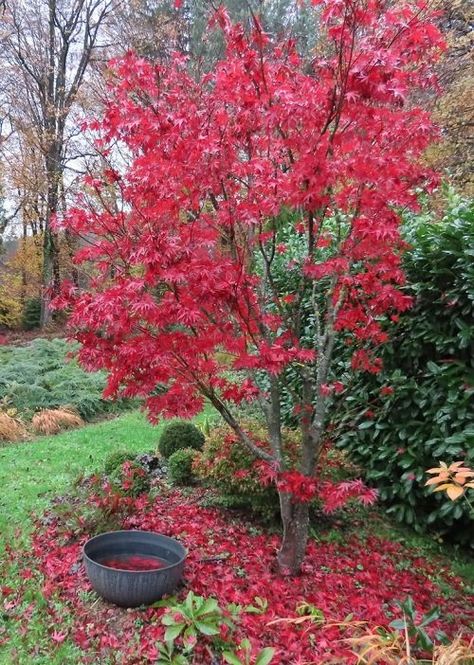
(51, 614)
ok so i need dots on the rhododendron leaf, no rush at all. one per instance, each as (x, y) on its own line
(455, 465)
(462, 476)
(443, 487)
(454, 492)
(434, 481)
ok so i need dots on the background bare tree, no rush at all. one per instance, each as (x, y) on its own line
(47, 48)
(454, 109)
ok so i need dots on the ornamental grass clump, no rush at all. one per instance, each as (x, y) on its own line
(52, 421)
(11, 428)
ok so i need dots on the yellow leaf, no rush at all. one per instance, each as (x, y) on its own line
(443, 487)
(454, 492)
(434, 481)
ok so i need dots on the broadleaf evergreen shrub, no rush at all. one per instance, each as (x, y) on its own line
(180, 434)
(420, 409)
(180, 466)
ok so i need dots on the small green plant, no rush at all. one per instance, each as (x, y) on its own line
(130, 479)
(178, 435)
(116, 459)
(243, 655)
(202, 618)
(195, 617)
(308, 610)
(228, 467)
(168, 655)
(414, 628)
(180, 466)
(95, 505)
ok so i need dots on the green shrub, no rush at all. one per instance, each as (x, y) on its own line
(130, 479)
(180, 466)
(178, 435)
(116, 459)
(226, 466)
(420, 409)
(31, 314)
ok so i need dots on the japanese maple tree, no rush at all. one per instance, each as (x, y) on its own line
(184, 225)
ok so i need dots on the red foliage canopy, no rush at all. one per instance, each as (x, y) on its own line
(207, 166)
(184, 225)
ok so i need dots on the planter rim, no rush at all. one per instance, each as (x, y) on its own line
(133, 572)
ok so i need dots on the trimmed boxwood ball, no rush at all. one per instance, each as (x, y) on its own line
(180, 466)
(178, 435)
(116, 459)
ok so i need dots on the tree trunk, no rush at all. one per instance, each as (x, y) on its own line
(295, 520)
(51, 274)
(51, 269)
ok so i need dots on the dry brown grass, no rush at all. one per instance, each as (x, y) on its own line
(52, 421)
(382, 648)
(11, 429)
(456, 653)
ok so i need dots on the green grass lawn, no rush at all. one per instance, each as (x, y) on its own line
(32, 473)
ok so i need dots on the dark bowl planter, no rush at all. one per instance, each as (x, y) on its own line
(131, 588)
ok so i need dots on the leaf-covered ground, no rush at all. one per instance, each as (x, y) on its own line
(51, 616)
